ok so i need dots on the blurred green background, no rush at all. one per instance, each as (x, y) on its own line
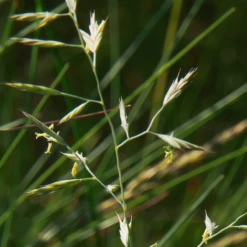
(166, 201)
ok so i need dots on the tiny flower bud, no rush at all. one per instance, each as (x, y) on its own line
(38, 135)
(48, 151)
(112, 187)
(169, 154)
(74, 170)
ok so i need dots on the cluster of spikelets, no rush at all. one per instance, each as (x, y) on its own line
(90, 43)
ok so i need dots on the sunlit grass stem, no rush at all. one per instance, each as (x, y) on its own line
(93, 65)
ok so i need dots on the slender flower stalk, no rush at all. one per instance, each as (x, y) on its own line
(112, 187)
(92, 41)
(124, 206)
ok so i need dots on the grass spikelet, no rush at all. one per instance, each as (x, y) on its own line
(63, 184)
(123, 117)
(177, 86)
(96, 31)
(73, 113)
(34, 16)
(178, 143)
(33, 88)
(39, 42)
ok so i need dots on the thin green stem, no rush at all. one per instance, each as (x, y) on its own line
(132, 138)
(72, 46)
(94, 60)
(154, 117)
(147, 131)
(74, 18)
(93, 65)
(64, 15)
(80, 98)
(124, 205)
(103, 185)
(93, 175)
(114, 140)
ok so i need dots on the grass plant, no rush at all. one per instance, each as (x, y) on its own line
(96, 179)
